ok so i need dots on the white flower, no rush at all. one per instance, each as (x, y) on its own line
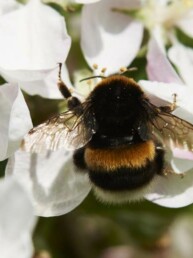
(166, 14)
(112, 39)
(182, 57)
(16, 221)
(108, 38)
(47, 87)
(8, 6)
(51, 180)
(86, 1)
(15, 119)
(173, 191)
(56, 186)
(67, 2)
(161, 18)
(158, 65)
(33, 40)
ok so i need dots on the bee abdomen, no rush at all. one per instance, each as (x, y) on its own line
(110, 159)
(125, 168)
(123, 178)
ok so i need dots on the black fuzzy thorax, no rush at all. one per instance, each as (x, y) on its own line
(117, 104)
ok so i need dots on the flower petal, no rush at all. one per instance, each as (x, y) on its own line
(186, 23)
(16, 221)
(15, 119)
(53, 183)
(181, 164)
(158, 66)
(109, 38)
(40, 41)
(86, 1)
(47, 88)
(173, 191)
(179, 160)
(178, 153)
(182, 57)
(8, 6)
(162, 94)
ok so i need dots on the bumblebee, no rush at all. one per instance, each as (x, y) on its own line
(118, 137)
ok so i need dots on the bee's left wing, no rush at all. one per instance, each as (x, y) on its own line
(173, 131)
(66, 130)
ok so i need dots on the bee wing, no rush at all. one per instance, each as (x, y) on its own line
(66, 130)
(173, 131)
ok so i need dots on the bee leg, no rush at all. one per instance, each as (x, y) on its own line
(169, 171)
(72, 101)
(61, 85)
(170, 108)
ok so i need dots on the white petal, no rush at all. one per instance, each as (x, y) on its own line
(16, 221)
(182, 57)
(181, 164)
(186, 23)
(8, 6)
(162, 94)
(158, 66)
(163, 91)
(86, 1)
(33, 40)
(47, 88)
(15, 119)
(185, 154)
(110, 39)
(173, 191)
(180, 160)
(53, 183)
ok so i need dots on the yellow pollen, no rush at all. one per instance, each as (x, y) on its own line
(123, 69)
(95, 66)
(103, 70)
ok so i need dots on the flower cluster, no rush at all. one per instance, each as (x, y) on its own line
(34, 39)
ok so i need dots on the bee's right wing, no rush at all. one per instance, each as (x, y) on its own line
(171, 130)
(66, 130)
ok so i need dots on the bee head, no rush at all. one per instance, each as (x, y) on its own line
(116, 96)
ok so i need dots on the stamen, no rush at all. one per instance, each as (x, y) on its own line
(103, 70)
(173, 105)
(89, 82)
(125, 69)
(95, 66)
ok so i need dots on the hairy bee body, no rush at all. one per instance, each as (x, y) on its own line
(118, 137)
(116, 158)
(121, 169)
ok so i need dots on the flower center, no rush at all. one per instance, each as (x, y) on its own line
(164, 13)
